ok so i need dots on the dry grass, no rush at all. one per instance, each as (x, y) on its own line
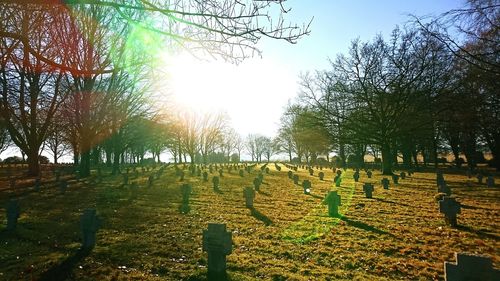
(397, 235)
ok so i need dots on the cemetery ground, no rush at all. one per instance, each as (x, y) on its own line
(399, 234)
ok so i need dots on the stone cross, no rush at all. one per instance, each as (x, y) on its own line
(385, 183)
(256, 183)
(369, 174)
(439, 178)
(13, 212)
(210, 169)
(490, 181)
(267, 170)
(215, 181)
(355, 176)
(150, 181)
(249, 195)
(181, 175)
(311, 171)
(306, 185)
(395, 179)
(469, 268)
(480, 178)
(368, 189)
(218, 243)
(290, 174)
(63, 185)
(89, 223)
(241, 173)
(321, 175)
(295, 179)
(205, 176)
(221, 173)
(338, 180)
(450, 208)
(186, 192)
(333, 201)
(402, 175)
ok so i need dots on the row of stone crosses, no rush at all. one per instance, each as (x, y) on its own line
(217, 242)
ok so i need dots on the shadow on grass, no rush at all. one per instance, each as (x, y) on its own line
(264, 193)
(260, 216)
(316, 196)
(364, 226)
(63, 271)
(480, 233)
(391, 202)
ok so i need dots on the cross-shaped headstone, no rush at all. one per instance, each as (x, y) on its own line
(369, 174)
(306, 185)
(356, 176)
(215, 182)
(470, 268)
(490, 181)
(205, 176)
(150, 181)
(256, 183)
(321, 175)
(290, 174)
(385, 183)
(311, 171)
(181, 175)
(218, 243)
(249, 194)
(450, 208)
(402, 175)
(13, 212)
(480, 178)
(338, 180)
(186, 192)
(333, 201)
(395, 179)
(368, 189)
(267, 170)
(90, 223)
(295, 179)
(221, 172)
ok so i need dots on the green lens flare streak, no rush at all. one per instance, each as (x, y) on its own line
(317, 223)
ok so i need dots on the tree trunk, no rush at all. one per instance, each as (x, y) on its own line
(33, 163)
(386, 160)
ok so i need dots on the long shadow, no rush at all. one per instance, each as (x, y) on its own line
(472, 207)
(364, 226)
(480, 233)
(316, 196)
(391, 202)
(63, 271)
(264, 193)
(260, 216)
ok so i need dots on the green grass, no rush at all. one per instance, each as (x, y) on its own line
(399, 234)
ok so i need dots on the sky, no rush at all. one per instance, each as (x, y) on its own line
(254, 93)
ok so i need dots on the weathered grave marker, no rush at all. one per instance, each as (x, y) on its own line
(90, 223)
(256, 183)
(205, 176)
(321, 175)
(290, 174)
(295, 179)
(181, 175)
(334, 201)
(249, 195)
(13, 212)
(356, 176)
(368, 189)
(402, 175)
(186, 192)
(385, 183)
(150, 181)
(215, 182)
(306, 185)
(369, 174)
(470, 268)
(218, 243)
(490, 181)
(480, 178)
(338, 180)
(241, 173)
(395, 179)
(450, 208)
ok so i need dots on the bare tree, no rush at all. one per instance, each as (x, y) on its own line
(210, 133)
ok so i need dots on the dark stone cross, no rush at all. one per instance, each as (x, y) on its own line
(186, 192)
(368, 189)
(395, 179)
(470, 268)
(480, 178)
(249, 195)
(321, 175)
(256, 183)
(306, 185)
(338, 180)
(402, 175)
(333, 201)
(150, 181)
(290, 174)
(205, 176)
(267, 170)
(181, 175)
(369, 174)
(221, 173)
(13, 212)
(450, 208)
(311, 171)
(490, 181)
(215, 182)
(241, 173)
(385, 183)
(89, 223)
(295, 179)
(63, 185)
(356, 176)
(217, 242)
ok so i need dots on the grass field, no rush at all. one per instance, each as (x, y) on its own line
(397, 235)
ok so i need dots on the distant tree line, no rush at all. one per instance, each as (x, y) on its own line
(418, 93)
